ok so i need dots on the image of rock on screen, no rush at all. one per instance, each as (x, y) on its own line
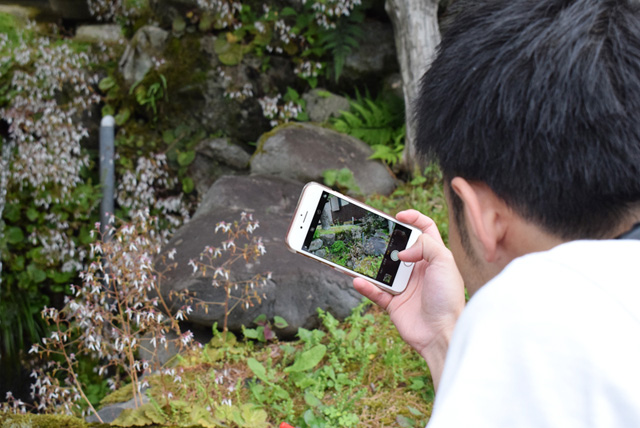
(352, 237)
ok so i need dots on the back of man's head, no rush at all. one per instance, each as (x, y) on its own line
(540, 100)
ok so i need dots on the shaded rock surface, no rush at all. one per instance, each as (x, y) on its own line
(376, 53)
(110, 412)
(322, 105)
(303, 152)
(215, 158)
(96, 33)
(298, 286)
(145, 46)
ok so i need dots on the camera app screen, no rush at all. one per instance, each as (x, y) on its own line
(357, 239)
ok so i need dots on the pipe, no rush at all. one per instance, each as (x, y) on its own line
(107, 174)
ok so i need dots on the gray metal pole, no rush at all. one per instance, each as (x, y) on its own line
(107, 175)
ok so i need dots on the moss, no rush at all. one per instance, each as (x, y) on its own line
(264, 137)
(40, 421)
(10, 25)
(118, 396)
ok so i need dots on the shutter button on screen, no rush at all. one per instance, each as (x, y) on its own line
(394, 255)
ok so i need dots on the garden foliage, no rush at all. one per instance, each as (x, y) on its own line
(90, 336)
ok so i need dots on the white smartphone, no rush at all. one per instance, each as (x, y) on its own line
(351, 237)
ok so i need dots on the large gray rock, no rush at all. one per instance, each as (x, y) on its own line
(298, 286)
(304, 151)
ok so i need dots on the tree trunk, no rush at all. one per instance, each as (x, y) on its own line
(326, 219)
(415, 25)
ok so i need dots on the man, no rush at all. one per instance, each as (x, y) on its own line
(532, 110)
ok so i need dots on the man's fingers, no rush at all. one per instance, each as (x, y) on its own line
(421, 221)
(426, 248)
(372, 292)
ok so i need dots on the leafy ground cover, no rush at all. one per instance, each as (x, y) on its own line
(352, 373)
(345, 374)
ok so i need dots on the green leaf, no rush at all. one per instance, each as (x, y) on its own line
(199, 416)
(108, 110)
(132, 418)
(14, 235)
(107, 83)
(251, 333)
(12, 212)
(288, 11)
(17, 264)
(308, 359)
(291, 95)
(168, 137)
(37, 275)
(122, 116)
(419, 180)
(405, 422)
(32, 214)
(414, 411)
(60, 277)
(178, 25)
(188, 185)
(206, 22)
(280, 322)
(258, 369)
(311, 399)
(228, 53)
(330, 176)
(185, 158)
(260, 319)
(253, 416)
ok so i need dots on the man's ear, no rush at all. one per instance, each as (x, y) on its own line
(485, 214)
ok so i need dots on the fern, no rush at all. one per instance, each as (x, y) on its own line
(342, 40)
(378, 123)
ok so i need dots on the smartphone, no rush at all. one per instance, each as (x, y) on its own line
(351, 237)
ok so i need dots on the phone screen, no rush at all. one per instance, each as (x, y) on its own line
(355, 238)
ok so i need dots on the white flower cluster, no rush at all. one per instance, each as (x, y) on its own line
(278, 112)
(43, 154)
(307, 69)
(226, 10)
(107, 10)
(12, 405)
(140, 189)
(233, 90)
(116, 304)
(284, 32)
(50, 396)
(327, 11)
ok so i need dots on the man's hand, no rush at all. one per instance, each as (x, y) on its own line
(426, 312)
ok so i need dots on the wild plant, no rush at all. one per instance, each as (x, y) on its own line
(281, 109)
(45, 197)
(378, 122)
(239, 247)
(106, 317)
(110, 10)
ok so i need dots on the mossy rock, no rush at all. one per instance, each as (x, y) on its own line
(118, 396)
(8, 420)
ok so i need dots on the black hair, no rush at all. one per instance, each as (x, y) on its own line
(540, 100)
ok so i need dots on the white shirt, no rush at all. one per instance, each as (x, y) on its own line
(552, 341)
